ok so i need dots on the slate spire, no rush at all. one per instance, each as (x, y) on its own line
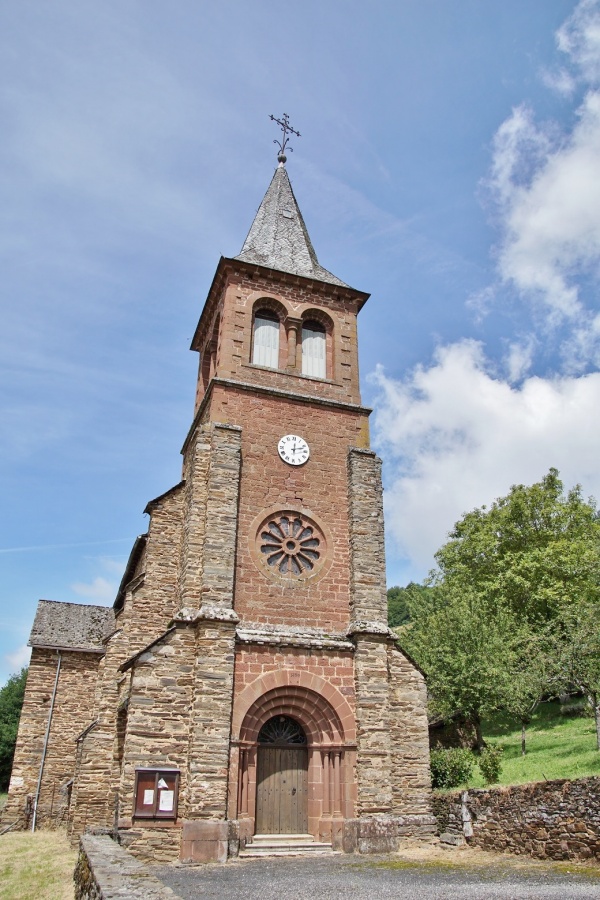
(278, 238)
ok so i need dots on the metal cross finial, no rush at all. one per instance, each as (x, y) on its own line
(287, 129)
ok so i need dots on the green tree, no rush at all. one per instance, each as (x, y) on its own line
(11, 701)
(534, 670)
(465, 651)
(400, 600)
(581, 655)
(534, 551)
(397, 606)
(509, 577)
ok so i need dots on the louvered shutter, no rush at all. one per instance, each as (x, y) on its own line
(266, 342)
(313, 352)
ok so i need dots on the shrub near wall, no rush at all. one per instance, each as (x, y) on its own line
(547, 820)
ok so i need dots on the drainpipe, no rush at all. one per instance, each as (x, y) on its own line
(45, 750)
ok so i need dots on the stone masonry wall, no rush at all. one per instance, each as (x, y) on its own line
(212, 479)
(105, 871)
(72, 712)
(196, 466)
(409, 735)
(374, 756)
(367, 572)
(210, 721)
(150, 603)
(316, 489)
(335, 667)
(157, 735)
(548, 820)
(295, 296)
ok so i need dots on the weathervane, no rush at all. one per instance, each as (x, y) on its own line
(286, 128)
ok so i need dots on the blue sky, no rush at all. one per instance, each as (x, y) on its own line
(449, 164)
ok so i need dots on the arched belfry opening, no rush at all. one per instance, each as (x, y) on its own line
(282, 778)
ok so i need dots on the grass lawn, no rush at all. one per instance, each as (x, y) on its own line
(36, 866)
(557, 747)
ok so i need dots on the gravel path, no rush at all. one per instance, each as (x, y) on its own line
(337, 877)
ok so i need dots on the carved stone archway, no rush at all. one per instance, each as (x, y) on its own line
(331, 757)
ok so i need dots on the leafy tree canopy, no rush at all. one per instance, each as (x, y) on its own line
(400, 600)
(516, 586)
(535, 551)
(11, 701)
(465, 652)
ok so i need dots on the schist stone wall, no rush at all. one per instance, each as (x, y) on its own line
(548, 820)
(67, 648)
(105, 871)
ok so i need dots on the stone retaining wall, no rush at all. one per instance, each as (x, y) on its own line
(105, 871)
(547, 820)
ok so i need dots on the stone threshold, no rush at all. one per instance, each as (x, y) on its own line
(285, 845)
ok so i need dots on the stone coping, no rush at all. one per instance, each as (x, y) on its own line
(105, 871)
(291, 637)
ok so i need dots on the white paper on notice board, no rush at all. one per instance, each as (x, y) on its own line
(148, 798)
(165, 801)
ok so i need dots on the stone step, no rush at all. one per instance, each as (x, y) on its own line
(286, 838)
(260, 852)
(285, 845)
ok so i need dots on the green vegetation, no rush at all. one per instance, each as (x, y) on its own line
(36, 865)
(451, 767)
(512, 613)
(558, 746)
(11, 701)
(400, 600)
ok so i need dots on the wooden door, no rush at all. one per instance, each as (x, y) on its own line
(282, 790)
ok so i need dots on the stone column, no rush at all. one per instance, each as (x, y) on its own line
(294, 337)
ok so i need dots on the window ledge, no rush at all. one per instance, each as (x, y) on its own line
(291, 374)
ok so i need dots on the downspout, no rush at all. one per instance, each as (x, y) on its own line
(45, 750)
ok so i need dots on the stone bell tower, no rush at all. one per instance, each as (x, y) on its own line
(251, 685)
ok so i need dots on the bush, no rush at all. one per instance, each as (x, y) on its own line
(449, 768)
(490, 763)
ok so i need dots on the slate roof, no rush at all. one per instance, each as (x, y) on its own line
(278, 238)
(71, 626)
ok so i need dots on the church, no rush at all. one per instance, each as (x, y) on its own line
(244, 690)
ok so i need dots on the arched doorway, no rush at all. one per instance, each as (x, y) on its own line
(282, 778)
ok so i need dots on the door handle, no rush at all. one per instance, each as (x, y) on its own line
(293, 791)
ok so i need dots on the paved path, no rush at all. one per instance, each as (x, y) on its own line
(337, 877)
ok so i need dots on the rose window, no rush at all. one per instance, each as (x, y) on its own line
(290, 544)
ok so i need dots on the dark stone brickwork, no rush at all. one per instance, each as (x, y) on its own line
(547, 820)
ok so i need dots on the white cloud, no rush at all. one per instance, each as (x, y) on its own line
(19, 658)
(547, 190)
(579, 37)
(520, 359)
(559, 80)
(99, 589)
(552, 220)
(454, 436)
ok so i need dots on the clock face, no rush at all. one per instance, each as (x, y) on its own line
(293, 450)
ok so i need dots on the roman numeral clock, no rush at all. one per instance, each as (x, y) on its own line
(293, 450)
